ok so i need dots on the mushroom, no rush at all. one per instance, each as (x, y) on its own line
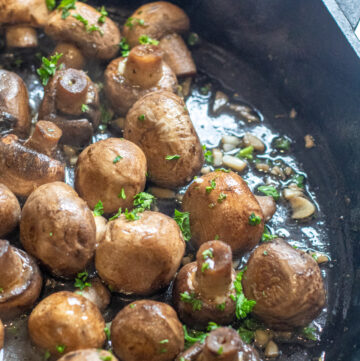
(71, 101)
(65, 321)
(147, 330)
(222, 206)
(223, 344)
(9, 210)
(23, 169)
(2, 335)
(267, 205)
(20, 18)
(20, 281)
(111, 170)
(129, 78)
(71, 55)
(140, 256)
(100, 223)
(285, 283)
(82, 28)
(301, 207)
(203, 288)
(14, 103)
(161, 119)
(58, 228)
(89, 355)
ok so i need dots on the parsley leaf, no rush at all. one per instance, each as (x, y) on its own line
(80, 281)
(269, 191)
(88, 28)
(115, 216)
(51, 4)
(183, 221)
(211, 187)
(103, 15)
(193, 39)
(124, 47)
(117, 158)
(171, 157)
(254, 220)
(309, 333)
(190, 298)
(66, 6)
(193, 336)
(144, 39)
(298, 179)
(99, 209)
(209, 158)
(246, 153)
(222, 197)
(282, 143)
(131, 22)
(47, 355)
(141, 117)
(60, 348)
(122, 194)
(143, 201)
(267, 236)
(48, 68)
(84, 108)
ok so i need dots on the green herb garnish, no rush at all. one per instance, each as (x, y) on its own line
(164, 341)
(143, 201)
(117, 158)
(80, 280)
(99, 209)
(88, 28)
(282, 143)
(267, 236)
(124, 47)
(48, 68)
(60, 348)
(107, 333)
(222, 197)
(66, 6)
(47, 355)
(190, 298)
(131, 22)
(298, 179)
(209, 158)
(221, 306)
(220, 350)
(84, 108)
(144, 39)
(222, 170)
(141, 117)
(269, 191)
(211, 187)
(122, 194)
(205, 90)
(254, 220)
(246, 153)
(171, 157)
(115, 216)
(103, 15)
(183, 221)
(50, 4)
(309, 333)
(193, 39)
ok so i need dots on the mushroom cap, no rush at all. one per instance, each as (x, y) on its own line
(147, 330)
(160, 18)
(10, 210)
(102, 45)
(140, 256)
(30, 12)
(89, 355)
(58, 228)
(66, 319)
(1, 335)
(285, 283)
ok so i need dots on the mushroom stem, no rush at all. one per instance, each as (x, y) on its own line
(221, 344)
(21, 36)
(45, 137)
(10, 265)
(71, 91)
(144, 65)
(214, 269)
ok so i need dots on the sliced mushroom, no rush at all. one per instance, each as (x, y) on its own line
(301, 207)
(251, 140)
(14, 104)
(20, 281)
(97, 293)
(89, 355)
(99, 40)
(9, 210)
(71, 55)
(23, 169)
(268, 206)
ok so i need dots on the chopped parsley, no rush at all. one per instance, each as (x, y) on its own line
(144, 39)
(133, 305)
(141, 117)
(265, 253)
(222, 170)
(298, 179)
(106, 358)
(117, 158)
(105, 116)
(143, 201)
(205, 90)
(209, 158)
(122, 194)
(193, 39)
(99, 209)
(267, 236)
(66, 6)
(131, 216)
(190, 298)
(193, 336)
(164, 341)
(103, 15)
(315, 256)
(88, 28)
(84, 108)
(171, 157)
(254, 220)
(205, 266)
(183, 221)
(1, 290)
(107, 332)
(81, 280)
(47, 355)
(131, 22)
(48, 68)
(211, 187)
(269, 191)
(216, 237)
(246, 153)
(282, 143)
(222, 197)
(309, 333)
(115, 216)
(208, 253)
(60, 348)
(124, 47)
(221, 306)
(220, 350)
(51, 4)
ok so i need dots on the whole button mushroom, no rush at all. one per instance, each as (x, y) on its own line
(65, 321)
(97, 293)
(26, 166)
(14, 104)
(20, 18)
(140, 256)
(89, 355)
(162, 117)
(147, 330)
(222, 205)
(58, 228)
(71, 101)
(129, 78)
(285, 283)
(82, 27)
(9, 210)
(222, 344)
(71, 55)
(20, 281)
(111, 170)
(203, 288)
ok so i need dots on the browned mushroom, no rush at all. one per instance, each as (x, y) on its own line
(95, 39)
(267, 205)
(89, 355)
(14, 104)
(147, 330)
(161, 118)
(9, 210)
(58, 228)
(113, 171)
(203, 288)
(221, 344)
(140, 256)
(71, 55)
(222, 205)
(285, 283)
(23, 169)
(100, 223)
(65, 321)
(2, 332)
(20, 18)
(129, 78)
(71, 101)
(20, 281)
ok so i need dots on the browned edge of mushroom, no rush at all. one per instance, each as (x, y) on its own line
(10, 210)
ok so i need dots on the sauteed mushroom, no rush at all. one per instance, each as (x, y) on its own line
(267, 205)
(21, 17)
(58, 228)
(9, 210)
(20, 281)
(1, 335)
(82, 28)
(113, 171)
(71, 55)
(100, 223)
(89, 355)
(97, 293)
(285, 283)
(14, 104)
(147, 330)
(129, 78)
(162, 117)
(65, 321)
(140, 256)
(202, 289)
(221, 204)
